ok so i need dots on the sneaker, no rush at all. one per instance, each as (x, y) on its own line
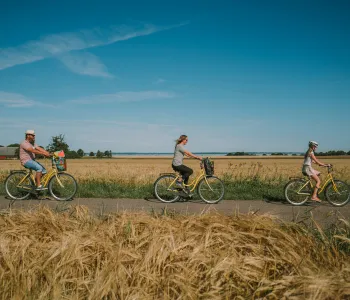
(179, 184)
(40, 188)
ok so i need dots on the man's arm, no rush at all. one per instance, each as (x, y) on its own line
(42, 151)
(36, 151)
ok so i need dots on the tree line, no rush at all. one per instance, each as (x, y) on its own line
(328, 153)
(58, 143)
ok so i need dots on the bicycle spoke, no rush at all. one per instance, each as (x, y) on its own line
(18, 191)
(211, 189)
(163, 189)
(297, 191)
(63, 187)
(337, 194)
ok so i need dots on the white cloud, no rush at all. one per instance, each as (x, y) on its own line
(159, 81)
(85, 64)
(57, 44)
(14, 100)
(124, 97)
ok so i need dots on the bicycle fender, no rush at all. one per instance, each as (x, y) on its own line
(17, 171)
(161, 174)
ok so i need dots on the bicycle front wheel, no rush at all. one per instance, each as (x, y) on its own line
(295, 193)
(163, 191)
(337, 194)
(211, 189)
(62, 186)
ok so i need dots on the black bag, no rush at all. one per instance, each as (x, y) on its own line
(208, 166)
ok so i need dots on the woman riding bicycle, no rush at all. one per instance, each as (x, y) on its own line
(307, 170)
(177, 163)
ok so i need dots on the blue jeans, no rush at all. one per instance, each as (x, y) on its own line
(34, 165)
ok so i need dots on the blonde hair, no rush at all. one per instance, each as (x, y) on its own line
(181, 138)
(307, 153)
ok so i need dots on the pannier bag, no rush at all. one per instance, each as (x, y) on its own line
(59, 160)
(208, 166)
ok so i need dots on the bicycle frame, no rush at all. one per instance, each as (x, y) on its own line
(44, 179)
(194, 182)
(329, 178)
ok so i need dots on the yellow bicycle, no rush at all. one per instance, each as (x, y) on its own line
(298, 190)
(209, 187)
(20, 184)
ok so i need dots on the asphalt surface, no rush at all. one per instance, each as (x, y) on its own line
(323, 213)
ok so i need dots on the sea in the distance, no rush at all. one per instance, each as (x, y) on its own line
(204, 154)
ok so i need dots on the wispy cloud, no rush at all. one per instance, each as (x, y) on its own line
(159, 81)
(18, 101)
(57, 44)
(124, 97)
(85, 64)
(108, 122)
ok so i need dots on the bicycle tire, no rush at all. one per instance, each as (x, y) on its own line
(66, 192)
(161, 189)
(291, 192)
(11, 183)
(333, 197)
(209, 187)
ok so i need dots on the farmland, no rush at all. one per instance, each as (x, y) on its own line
(245, 178)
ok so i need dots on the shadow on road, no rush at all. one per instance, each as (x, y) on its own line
(281, 201)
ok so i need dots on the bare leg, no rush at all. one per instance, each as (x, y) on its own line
(318, 184)
(37, 178)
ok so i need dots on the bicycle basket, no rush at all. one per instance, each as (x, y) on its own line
(59, 161)
(208, 166)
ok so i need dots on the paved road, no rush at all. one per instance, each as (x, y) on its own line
(322, 213)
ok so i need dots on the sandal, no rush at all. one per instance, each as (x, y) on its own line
(316, 199)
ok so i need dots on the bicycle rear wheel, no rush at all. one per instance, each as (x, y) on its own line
(16, 191)
(211, 189)
(163, 191)
(63, 186)
(337, 195)
(292, 190)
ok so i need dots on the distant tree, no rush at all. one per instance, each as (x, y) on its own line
(348, 153)
(99, 154)
(277, 153)
(1, 146)
(106, 153)
(238, 154)
(110, 153)
(81, 152)
(92, 154)
(58, 143)
(13, 145)
(72, 154)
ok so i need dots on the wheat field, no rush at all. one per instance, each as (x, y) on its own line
(75, 255)
(146, 170)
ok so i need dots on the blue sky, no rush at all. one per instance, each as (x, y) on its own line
(232, 75)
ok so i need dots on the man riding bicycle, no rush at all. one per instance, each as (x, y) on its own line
(27, 151)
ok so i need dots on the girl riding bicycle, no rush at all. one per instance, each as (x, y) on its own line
(177, 163)
(307, 170)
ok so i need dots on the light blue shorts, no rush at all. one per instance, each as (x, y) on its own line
(34, 165)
